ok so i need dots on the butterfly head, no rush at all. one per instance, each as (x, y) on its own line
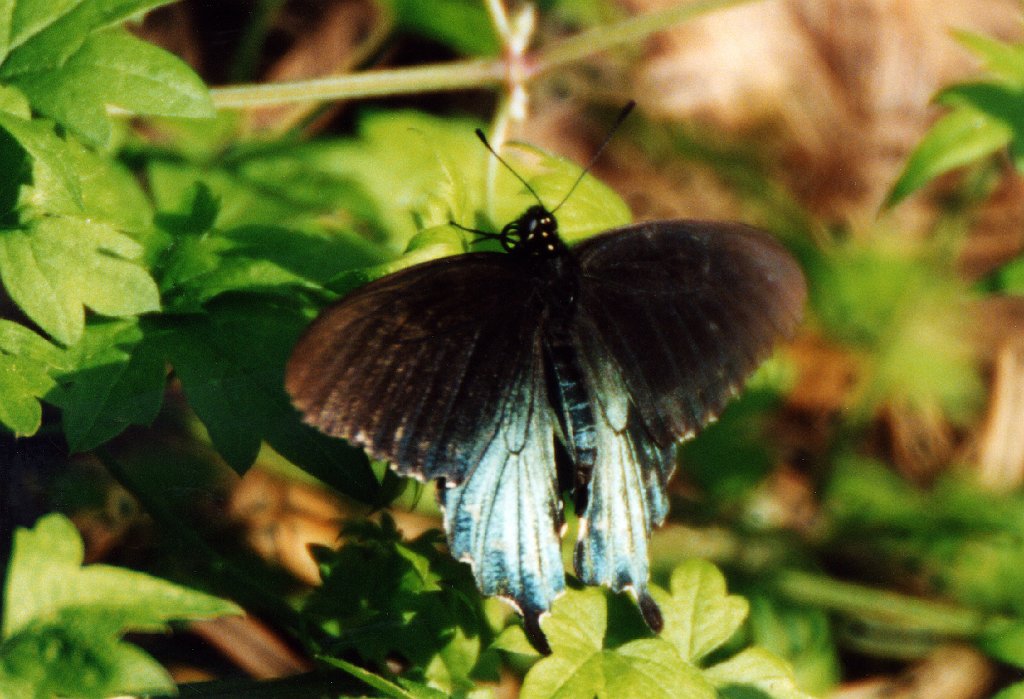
(533, 234)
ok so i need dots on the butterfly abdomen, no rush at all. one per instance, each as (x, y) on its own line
(575, 410)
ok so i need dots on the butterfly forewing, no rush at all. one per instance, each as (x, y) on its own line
(685, 311)
(416, 366)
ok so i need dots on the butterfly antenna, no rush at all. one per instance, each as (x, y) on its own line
(611, 132)
(483, 139)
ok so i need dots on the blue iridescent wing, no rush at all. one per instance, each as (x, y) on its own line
(627, 490)
(673, 316)
(416, 366)
(505, 515)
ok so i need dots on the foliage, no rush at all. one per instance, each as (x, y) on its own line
(984, 117)
(184, 259)
(63, 623)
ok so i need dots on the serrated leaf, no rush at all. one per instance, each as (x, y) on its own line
(62, 621)
(27, 362)
(46, 34)
(756, 667)
(581, 666)
(419, 604)
(230, 360)
(59, 265)
(118, 380)
(699, 615)
(45, 180)
(963, 136)
(114, 68)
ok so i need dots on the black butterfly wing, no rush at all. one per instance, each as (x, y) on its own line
(686, 311)
(439, 369)
(673, 316)
(416, 366)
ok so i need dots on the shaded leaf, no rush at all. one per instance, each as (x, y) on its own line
(406, 690)
(118, 380)
(62, 622)
(230, 360)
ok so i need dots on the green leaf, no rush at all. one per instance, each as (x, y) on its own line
(27, 362)
(114, 68)
(408, 171)
(13, 101)
(757, 668)
(1002, 59)
(1005, 642)
(581, 666)
(463, 25)
(62, 622)
(800, 634)
(419, 604)
(43, 176)
(230, 360)
(963, 136)
(407, 690)
(699, 615)
(58, 265)
(44, 34)
(1014, 691)
(118, 380)
(591, 208)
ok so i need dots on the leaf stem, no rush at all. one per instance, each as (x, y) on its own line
(881, 605)
(456, 75)
(484, 73)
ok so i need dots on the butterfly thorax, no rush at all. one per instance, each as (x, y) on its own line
(534, 234)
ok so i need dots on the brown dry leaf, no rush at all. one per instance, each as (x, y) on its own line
(840, 90)
(951, 672)
(331, 41)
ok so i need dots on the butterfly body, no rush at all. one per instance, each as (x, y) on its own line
(476, 371)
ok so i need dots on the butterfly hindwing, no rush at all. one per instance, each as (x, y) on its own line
(628, 486)
(504, 518)
(686, 310)
(672, 317)
(416, 366)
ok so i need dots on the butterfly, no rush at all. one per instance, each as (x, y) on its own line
(510, 378)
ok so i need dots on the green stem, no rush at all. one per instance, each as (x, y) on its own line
(627, 31)
(457, 75)
(881, 605)
(465, 74)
